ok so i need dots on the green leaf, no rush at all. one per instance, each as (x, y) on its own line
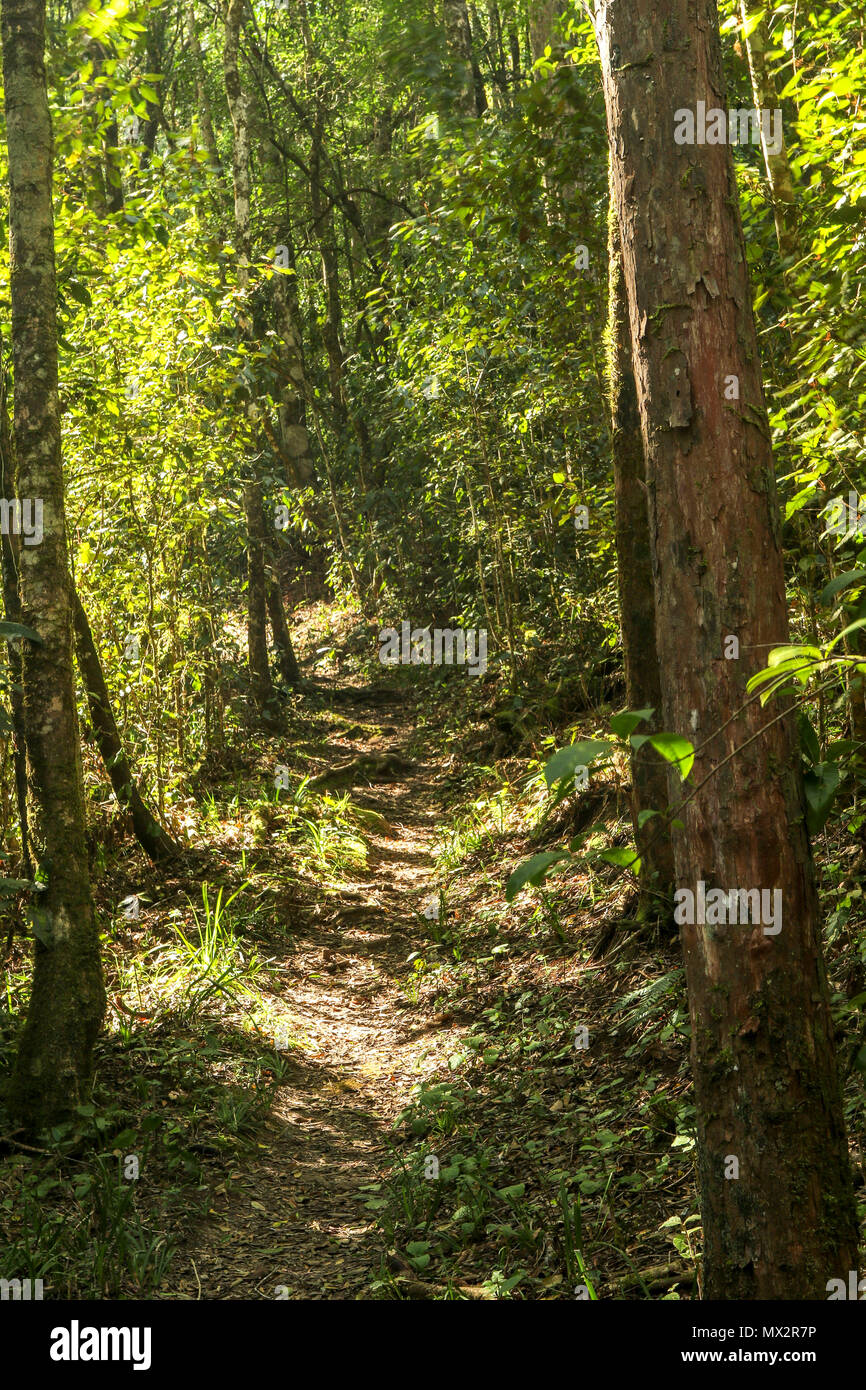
(821, 782)
(841, 581)
(627, 721)
(786, 658)
(78, 292)
(673, 748)
(852, 627)
(565, 761)
(533, 872)
(9, 886)
(623, 858)
(13, 630)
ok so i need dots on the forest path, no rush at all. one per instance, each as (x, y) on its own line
(292, 1221)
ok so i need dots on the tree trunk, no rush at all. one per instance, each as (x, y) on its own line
(54, 1063)
(470, 96)
(649, 777)
(766, 1085)
(238, 104)
(776, 162)
(287, 663)
(542, 25)
(150, 834)
(295, 438)
(257, 631)
(205, 116)
(12, 609)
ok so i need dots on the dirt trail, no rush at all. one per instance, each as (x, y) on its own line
(293, 1221)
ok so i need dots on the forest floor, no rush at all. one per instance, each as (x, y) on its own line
(382, 1170)
(295, 1223)
(337, 1062)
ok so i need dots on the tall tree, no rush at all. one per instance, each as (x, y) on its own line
(470, 95)
(756, 37)
(261, 684)
(54, 1062)
(772, 1153)
(649, 780)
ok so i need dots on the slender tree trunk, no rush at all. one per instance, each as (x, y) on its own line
(257, 630)
(542, 23)
(238, 103)
(54, 1063)
(295, 438)
(637, 607)
(205, 116)
(261, 685)
(766, 99)
(287, 664)
(471, 97)
(775, 1178)
(12, 609)
(150, 834)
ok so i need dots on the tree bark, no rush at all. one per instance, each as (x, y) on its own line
(287, 663)
(470, 95)
(12, 609)
(205, 116)
(778, 168)
(637, 606)
(238, 104)
(153, 839)
(54, 1063)
(766, 1084)
(257, 631)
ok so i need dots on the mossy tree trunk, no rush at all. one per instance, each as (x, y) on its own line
(54, 1063)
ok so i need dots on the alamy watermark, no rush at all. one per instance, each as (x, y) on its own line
(846, 518)
(836, 1288)
(731, 907)
(742, 126)
(442, 646)
(22, 518)
(21, 1289)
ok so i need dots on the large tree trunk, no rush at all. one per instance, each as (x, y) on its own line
(150, 834)
(766, 1086)
(649, 778)
(54, 1063)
